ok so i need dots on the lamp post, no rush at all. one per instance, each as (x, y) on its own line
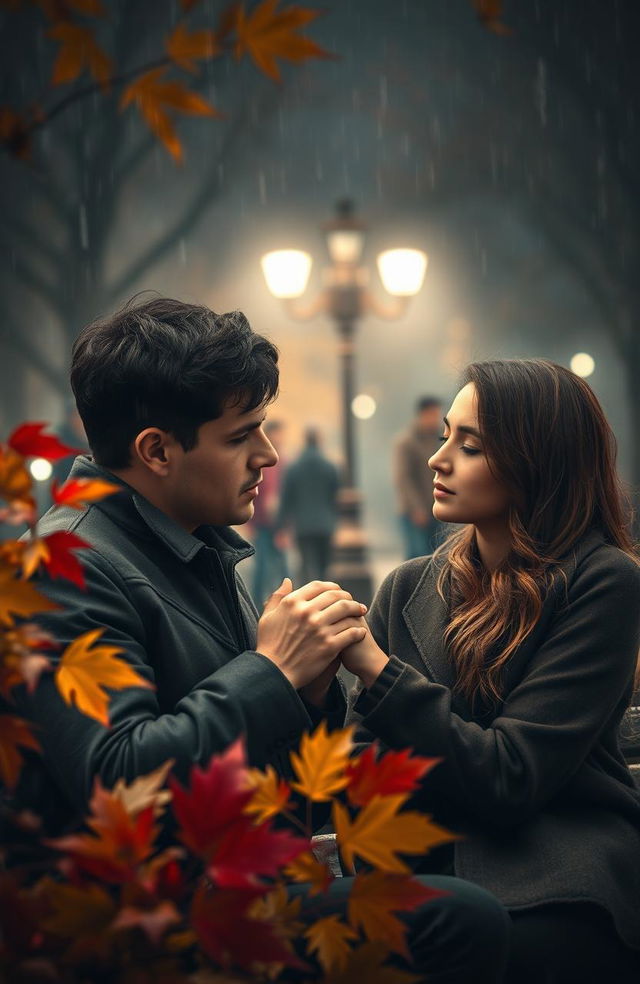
(345, 297)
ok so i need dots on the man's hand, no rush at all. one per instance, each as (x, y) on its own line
(365, 659)
(303, 631)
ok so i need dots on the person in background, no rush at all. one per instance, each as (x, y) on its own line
(270, 565)
(412, 479)
(308, 506)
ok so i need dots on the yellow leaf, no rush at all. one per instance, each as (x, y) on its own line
(77, 911)
(366, 963)
(79, 50)
(145, 791)
(19, 597)
(307, 868)
(374, 898)
(14, 732)
(330, 938)
(79, 492)
(271, 794)
(379, 832)
(185, 47)
(83, 673)
(322, 761)
(267, 34)
(15, 480)
(35, 552)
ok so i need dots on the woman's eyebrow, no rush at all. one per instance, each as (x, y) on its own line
(464, 428)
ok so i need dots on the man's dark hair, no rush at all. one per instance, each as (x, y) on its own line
(427, 402)
(166, 364)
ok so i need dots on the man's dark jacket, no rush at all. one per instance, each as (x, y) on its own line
(536, 784)
(174, 604)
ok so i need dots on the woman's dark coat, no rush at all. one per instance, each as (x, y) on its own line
(538, 785)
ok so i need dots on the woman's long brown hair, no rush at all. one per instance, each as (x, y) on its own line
(548, 441)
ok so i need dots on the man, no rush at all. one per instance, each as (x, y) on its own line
(173, 400)
(308, 504)
(414, 481)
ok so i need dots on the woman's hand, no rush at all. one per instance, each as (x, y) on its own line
(365, 659)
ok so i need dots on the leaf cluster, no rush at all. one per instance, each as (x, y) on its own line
(157, 89)
(183, 884)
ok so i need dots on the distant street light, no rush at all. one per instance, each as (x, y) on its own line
(41, 469)
(346, 298)
(582, 364)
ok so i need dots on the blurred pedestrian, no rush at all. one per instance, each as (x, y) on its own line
(270, 560)
(413, 479)
(308, 506)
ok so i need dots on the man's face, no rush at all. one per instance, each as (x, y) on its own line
(216, 482)
(429, 420)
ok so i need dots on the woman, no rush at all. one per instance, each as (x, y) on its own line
(511, 654)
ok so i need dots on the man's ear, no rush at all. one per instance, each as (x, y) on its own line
(153, 448)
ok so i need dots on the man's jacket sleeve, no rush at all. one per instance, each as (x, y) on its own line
(247, 696)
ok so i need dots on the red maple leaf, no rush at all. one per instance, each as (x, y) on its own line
(29, 441)
(245, 852)
(216, 798)
(61, 562)
(230, 936)
(395, 772)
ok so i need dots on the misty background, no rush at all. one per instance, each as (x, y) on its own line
(511, 159)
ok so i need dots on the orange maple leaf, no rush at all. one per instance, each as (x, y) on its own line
(321, 763)
(154, 95)
(271, 794)
(366, 963)
(14, 732)
(379, 832)
(145, 791)
(184, 47)
(79, 492)
(19, 660)
(14, 132)
(83, 672)
(79, 50)
(374, 898)
(267, 34)
(307, 868)
(15, 484)
(19, 597)
(330, 939)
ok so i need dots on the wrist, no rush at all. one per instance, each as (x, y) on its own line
(370, 673)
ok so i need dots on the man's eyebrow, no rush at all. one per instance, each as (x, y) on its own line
(247, 427)
(465, 429)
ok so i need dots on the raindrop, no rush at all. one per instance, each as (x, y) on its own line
(540, 92)
(262, 185)
(84, 227)
(183, 252)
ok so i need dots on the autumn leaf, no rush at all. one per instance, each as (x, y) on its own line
(188, 5)
(79, 492)
(19, 660)
(245, 853)
(379, 832)
(14, 733)
(20, 597)
(185, 47)
(330, 939)
(267, 34)
(118, 844)
(374, 898)
(153, 95)
(489, 14)
(14, 132)
(366, 963)
(60, 561)
(154, 921)
(83, 672)
(145, 791)
(77, 910)
(229, 935)
(59, 10)
(270, 794)
(321, 762)
(394, 772)
(307, 868)
(16, 484)
(79, 51)
(29, 441)
(278, 908)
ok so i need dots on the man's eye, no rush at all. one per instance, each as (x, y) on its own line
(239, 440)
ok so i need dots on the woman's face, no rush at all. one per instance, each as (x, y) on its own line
(465, 490)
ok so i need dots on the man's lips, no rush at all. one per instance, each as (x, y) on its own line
(253, 487)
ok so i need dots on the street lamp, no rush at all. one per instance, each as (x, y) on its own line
(345, 297)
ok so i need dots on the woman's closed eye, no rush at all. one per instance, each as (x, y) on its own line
(463, 447)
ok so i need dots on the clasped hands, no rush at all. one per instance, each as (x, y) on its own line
(308, 632)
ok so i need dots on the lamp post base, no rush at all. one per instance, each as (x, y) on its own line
(350, 563)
